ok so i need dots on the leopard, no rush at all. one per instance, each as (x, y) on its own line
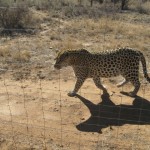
(123, 61)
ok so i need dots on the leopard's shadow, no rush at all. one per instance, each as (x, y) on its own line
(106, 114)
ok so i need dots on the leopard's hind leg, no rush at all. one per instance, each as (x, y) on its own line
(134, 79)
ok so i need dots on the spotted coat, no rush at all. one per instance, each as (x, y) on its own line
(122, 61)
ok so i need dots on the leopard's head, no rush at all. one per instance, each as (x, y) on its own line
(62, 60)
(69, 57)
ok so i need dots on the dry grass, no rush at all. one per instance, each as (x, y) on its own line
(69, 43)
(143, 8)
(22, 56)
(108, 33)
(108, 26)
(95, 34)
(4, 52)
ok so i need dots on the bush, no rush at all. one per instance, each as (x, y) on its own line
(14, 18)
(49, 4)
(144, 8)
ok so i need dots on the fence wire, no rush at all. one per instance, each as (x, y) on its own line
(99, 112)
(63, 123)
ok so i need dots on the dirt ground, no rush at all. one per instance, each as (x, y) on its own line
(39, 115)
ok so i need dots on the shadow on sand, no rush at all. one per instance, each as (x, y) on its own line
(106, 114)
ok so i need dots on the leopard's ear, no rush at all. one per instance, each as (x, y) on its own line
(57, 54)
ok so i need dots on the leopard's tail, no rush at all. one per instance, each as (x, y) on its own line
(144, 67)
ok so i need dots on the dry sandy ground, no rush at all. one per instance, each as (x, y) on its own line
(39, 115)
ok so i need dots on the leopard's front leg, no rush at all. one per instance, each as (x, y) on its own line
(78, 85)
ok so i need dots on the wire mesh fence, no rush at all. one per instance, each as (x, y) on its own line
(90, 121)
(36, 112)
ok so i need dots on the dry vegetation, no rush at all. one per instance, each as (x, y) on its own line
(52, 25)
(69, 24)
